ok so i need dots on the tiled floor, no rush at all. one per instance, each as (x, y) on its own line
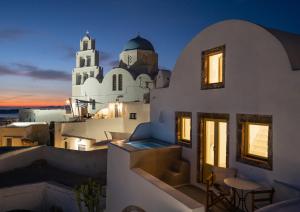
(200, 196)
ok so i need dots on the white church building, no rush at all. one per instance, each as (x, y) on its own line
(130, 81)
(117, 102)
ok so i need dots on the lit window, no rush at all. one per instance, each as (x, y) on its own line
(255, 144)
(213, 68)
(257, 140)
(183, 127)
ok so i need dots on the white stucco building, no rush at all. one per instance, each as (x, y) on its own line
(44, 115)
(130, 81)
(117, 102)
(233, 101)
(20, 134)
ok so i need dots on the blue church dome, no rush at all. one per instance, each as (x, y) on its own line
(138, 43)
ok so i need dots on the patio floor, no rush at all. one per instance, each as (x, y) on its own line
(200, 196)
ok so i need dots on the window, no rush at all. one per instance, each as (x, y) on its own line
(78, 79)
(120, 82)
(81, 147)
(9, 142)
(66, 145)
(213, 68)
(117, 111)
(114, 82)
(132, 116)
(183, 128)
(81, 62)
(88, 61)
(213, 143)
(85, 76)
(92, 74)
(85, 45)
(255, 140)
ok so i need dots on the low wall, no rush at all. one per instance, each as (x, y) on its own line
(93, 128)
(20, 158)
(92, 163)
(37, 197)
(140, 188)
(155, 161)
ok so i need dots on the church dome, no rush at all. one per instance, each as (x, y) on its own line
(138, 43)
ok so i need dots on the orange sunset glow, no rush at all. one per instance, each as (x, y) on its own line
(33, 101)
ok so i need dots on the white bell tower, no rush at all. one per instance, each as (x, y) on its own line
(87, 62)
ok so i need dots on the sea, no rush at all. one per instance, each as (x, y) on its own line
(9, 113)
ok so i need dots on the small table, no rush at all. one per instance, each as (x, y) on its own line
(244, 186)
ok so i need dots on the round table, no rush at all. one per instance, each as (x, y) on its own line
(244, 186)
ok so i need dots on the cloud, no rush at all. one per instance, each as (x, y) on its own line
(34, 72)
(12, 34)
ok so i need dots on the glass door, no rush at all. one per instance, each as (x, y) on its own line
(213, 134)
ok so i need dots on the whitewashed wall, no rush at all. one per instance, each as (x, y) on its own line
(38, 115)
(138, 188)
(37, 197)
(258, 80)
(133, 89)
(92, 163)
(95, 128)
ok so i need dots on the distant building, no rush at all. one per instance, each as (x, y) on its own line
(20, 134)
(43, 115)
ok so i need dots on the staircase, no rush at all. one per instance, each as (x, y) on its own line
(177, 174)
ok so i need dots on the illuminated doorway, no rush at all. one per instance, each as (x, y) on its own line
(213, 143)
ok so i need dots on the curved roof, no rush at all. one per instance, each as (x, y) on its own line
(87, 36)
(138, 43)
(291, 44)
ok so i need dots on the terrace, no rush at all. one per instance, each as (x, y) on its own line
(157, 170)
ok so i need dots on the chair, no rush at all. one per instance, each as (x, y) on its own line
(216, 190)
(261, 198)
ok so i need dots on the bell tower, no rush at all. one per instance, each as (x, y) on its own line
(87, 62)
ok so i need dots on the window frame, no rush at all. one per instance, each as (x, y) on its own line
(178, 138)
(243, 121)
(205, 68)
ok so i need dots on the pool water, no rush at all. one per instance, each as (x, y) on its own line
(148, 144)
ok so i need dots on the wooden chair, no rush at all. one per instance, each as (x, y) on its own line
(261, 197)
(216, 190)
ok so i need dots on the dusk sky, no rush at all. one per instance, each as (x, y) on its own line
(38, 39)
